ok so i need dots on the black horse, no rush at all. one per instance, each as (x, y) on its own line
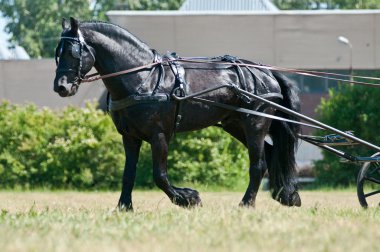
(110, 48)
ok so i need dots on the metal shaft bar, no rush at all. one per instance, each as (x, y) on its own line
(310, 120)
(251, 112)
(339, 153)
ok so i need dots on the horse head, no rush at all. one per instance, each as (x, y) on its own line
(74, 59)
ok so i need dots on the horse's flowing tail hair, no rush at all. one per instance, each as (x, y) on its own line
(281, 156)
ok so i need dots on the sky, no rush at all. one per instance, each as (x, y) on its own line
(6, 53)
(3, 35)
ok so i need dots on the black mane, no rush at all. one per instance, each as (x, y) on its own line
(112, 30)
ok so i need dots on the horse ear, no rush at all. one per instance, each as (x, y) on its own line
(64, 24)
(74, 25)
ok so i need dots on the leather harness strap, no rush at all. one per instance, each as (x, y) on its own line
(180, 86)
(137, 99)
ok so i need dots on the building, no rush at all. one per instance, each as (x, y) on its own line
(227, 5)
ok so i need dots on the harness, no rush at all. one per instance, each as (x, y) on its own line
(180, 85)
(180, 88)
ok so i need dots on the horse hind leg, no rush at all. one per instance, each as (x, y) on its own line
(281, 166)
(184, 197)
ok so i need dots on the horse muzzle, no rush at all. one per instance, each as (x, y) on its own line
(63, 88)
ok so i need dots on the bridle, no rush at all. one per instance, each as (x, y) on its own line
(78, 45)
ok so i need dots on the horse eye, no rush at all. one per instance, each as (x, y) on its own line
(75, 51)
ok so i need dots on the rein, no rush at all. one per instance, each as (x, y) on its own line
(95, 77)
(316, 74)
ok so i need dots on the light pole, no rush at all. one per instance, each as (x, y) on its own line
(347, 42)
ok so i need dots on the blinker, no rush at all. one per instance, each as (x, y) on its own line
(75, 51)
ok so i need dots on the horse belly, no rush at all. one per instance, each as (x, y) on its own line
(195, 116)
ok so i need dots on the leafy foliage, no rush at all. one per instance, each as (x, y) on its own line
(349, 108)
(81, 149)
(36, 25)
(329, 4)
(69, 150)
(292, 4)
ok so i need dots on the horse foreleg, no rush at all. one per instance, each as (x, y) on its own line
(184, 197)
(132, 149)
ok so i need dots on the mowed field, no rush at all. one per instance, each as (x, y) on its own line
(82, 221)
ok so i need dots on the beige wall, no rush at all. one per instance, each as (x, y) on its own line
(302, 39)
(23, 81)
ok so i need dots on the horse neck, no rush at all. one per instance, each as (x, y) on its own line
(117, 50)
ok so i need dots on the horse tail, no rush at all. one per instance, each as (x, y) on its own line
(280, 156)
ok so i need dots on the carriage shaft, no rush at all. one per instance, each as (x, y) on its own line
(310, 120)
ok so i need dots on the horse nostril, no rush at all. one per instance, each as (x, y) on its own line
(61, 89)
(62, 80)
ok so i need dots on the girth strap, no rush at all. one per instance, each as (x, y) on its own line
(137, 99)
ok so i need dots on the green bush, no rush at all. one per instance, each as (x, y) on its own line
(74, 148)
(349, 108)
(81, 149)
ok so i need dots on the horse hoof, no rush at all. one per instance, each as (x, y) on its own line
(248, 204)
(124, 207)
(295, 199)
(186, 198)
(291, 199)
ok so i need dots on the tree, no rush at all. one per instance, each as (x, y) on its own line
(36, 24)
(292, 4)
(326, 4)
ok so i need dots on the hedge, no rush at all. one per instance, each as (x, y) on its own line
(348, 108)
(79, 148)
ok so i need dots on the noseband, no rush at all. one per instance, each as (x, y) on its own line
(76, 51)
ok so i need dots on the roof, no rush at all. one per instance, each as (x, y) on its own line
(228, 5)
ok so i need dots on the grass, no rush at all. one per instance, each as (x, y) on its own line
(77, 221)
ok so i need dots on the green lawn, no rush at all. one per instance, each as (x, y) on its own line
(76, 221)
